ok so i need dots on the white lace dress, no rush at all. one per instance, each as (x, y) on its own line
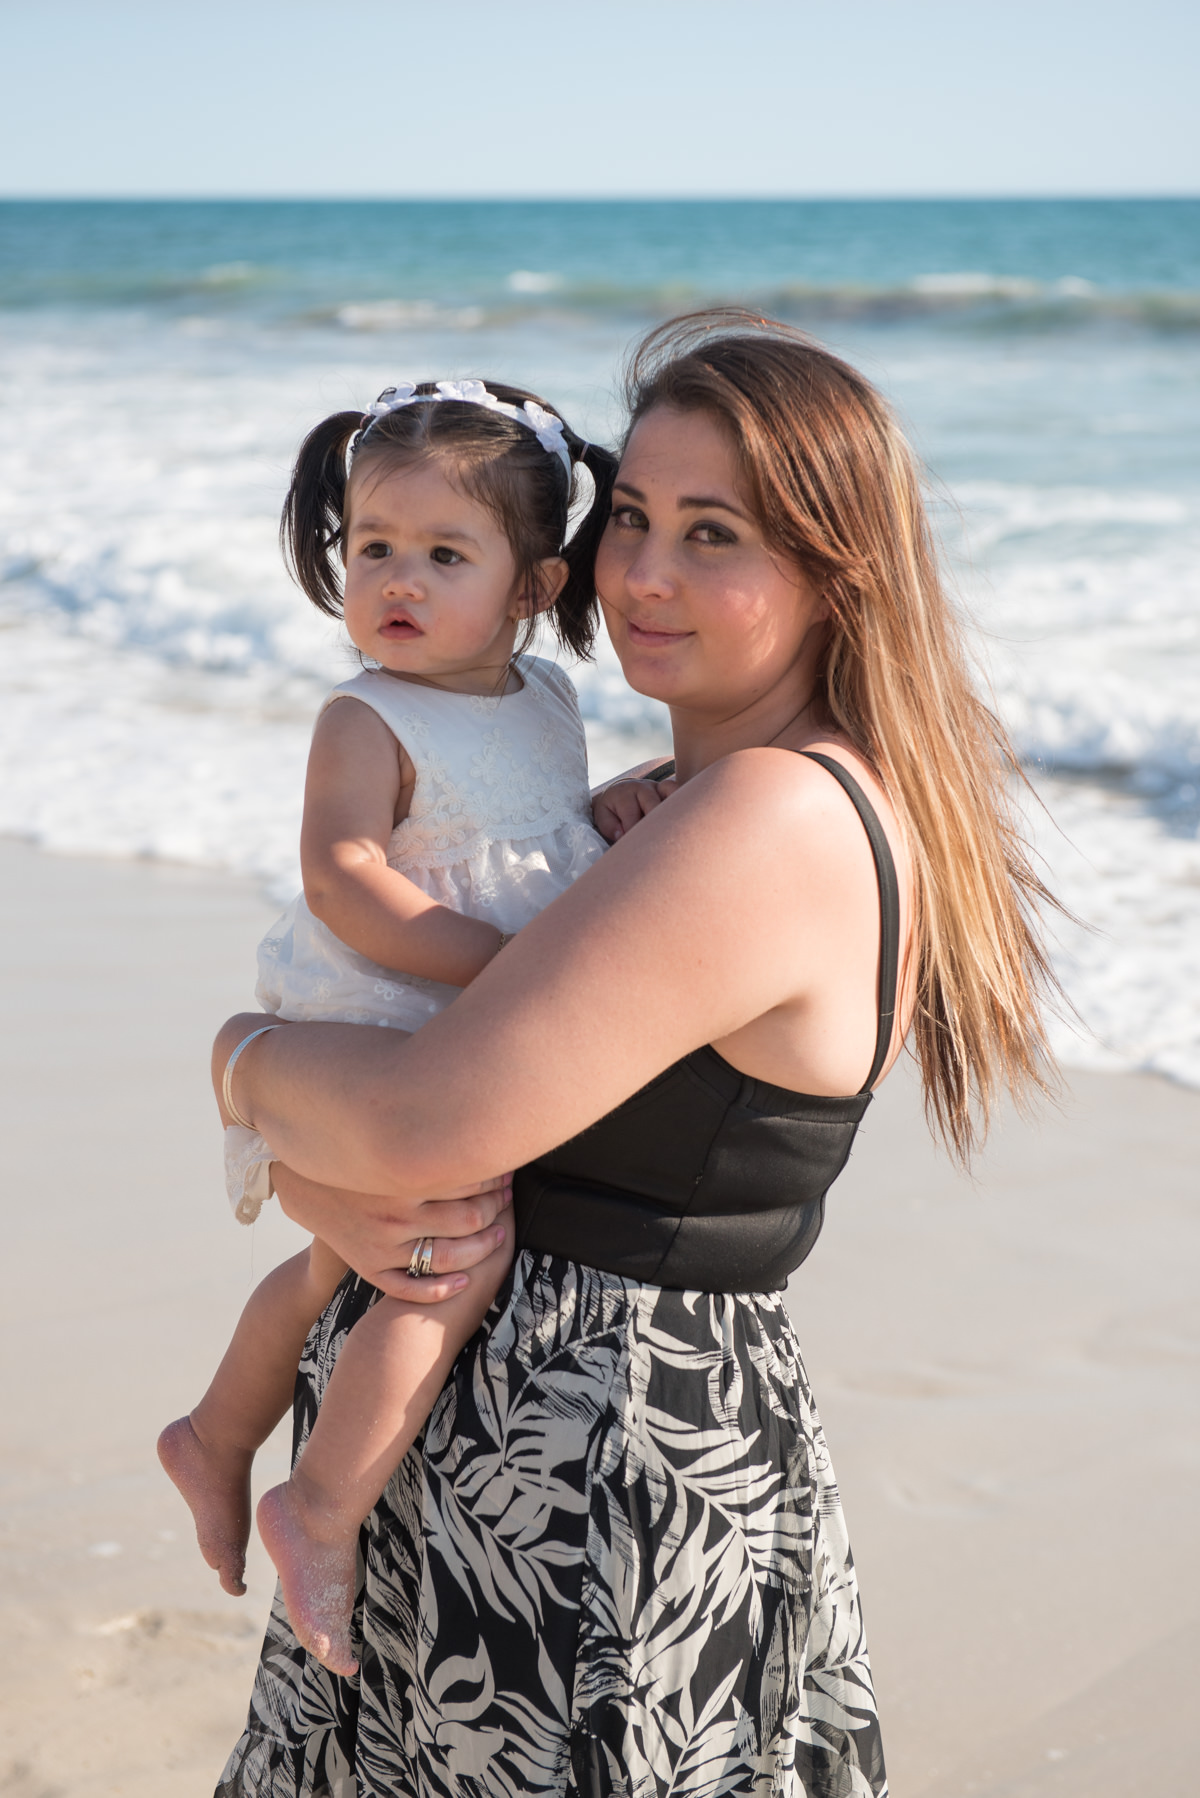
(499, 824)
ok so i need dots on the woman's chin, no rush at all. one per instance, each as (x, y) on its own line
(654, 683)
(656, 673)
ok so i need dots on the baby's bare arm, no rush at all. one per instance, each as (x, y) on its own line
(357, 791)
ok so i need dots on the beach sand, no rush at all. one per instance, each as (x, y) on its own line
(1006, 1370)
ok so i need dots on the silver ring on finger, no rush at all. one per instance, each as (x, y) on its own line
(421, 1260)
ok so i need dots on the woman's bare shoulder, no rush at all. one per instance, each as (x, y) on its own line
(787, 791)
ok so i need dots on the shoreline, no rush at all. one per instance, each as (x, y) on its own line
(1006, 1372)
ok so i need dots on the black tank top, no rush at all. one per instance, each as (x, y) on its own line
(706, 1178)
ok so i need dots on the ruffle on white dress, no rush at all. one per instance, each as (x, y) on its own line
(499, 824)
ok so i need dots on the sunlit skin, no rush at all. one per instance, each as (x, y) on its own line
(423, 564)
(743, 912)
(702, 612)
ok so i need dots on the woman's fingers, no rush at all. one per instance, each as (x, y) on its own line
(454, 1254)
(417, 1289)
(450, 1258)
(465, 1217)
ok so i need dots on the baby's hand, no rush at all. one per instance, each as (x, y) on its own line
(623, 804)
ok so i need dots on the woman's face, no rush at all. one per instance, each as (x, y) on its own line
(702, 614)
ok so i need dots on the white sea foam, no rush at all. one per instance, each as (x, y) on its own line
(1090, 627)
(972, 284)
(528, 280)
(159, 675)
(406, 315)
(1132, 963)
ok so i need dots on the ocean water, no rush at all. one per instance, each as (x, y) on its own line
(159, 363)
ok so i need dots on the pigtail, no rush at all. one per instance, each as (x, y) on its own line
(575, 612)
(310, 530)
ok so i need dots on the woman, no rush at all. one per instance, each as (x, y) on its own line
(618, 1563)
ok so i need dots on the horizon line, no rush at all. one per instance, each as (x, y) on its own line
(586, 199)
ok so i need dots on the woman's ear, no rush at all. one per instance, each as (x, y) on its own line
(549, 579)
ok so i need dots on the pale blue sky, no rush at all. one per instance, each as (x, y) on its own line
(542, 97)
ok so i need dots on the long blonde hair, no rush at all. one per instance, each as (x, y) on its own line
(837, 490)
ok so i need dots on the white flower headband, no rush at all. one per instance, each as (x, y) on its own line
(546, 427)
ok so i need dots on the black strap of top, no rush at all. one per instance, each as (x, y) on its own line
(889, 899)
(889, 907)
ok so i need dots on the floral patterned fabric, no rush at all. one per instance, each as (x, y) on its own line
(616, 1567)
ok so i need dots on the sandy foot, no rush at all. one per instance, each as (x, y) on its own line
(216, 1487)
(318, 1578)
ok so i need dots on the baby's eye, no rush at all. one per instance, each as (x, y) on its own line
(444, 555)
(629, 518)
(375, 552)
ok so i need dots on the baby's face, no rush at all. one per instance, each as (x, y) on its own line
(431, 582)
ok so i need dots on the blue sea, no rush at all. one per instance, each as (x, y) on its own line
(159, 362)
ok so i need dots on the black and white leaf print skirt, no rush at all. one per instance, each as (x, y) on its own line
(616, 1567)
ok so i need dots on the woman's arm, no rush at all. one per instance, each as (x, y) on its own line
(376, 1234)
(357, 791)
(723, 906)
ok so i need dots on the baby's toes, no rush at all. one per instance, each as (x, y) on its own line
(230, 1571)
(337, 1655)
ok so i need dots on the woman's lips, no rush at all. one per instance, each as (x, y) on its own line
(653, 636)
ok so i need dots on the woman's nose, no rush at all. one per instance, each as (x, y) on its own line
(650, 573)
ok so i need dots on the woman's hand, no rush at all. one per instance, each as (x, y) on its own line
(377, 1236)
(624, 803)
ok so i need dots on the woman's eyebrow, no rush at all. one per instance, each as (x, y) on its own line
(686, 503)
(706, 503)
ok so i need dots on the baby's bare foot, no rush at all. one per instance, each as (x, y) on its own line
(216, 1486)
(317, 1575)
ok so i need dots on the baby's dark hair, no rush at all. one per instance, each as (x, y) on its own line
(495, 459)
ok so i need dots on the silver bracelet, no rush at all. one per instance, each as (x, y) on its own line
(421, 1260)
(227, 1081)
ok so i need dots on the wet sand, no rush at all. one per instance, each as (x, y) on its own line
(1006, 1370)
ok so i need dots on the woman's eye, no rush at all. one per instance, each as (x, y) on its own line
(711, 534)
(629, 518)
(445, 556)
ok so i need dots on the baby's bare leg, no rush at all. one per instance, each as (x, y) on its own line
(394, 1363)
(209, 1453)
